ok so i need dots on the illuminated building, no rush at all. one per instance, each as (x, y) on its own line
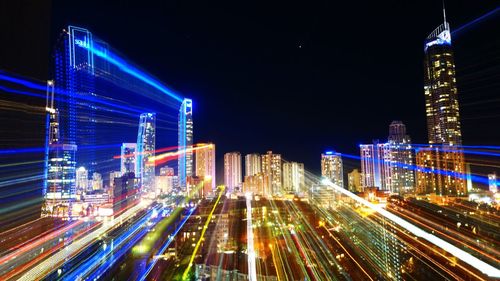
(331, 167)
(113, 176)
(205, 164)
(166, 181)
(146, 150)
(293, 177)
(232, 171)
(271, 169)
(125, 193)
(440, 171)
(257, 184)
(354, 181)
(60, 166)
(402, 174)
(127, 158)
(82, 179)
(185, 160)
(97, 183)
(252, 164)
(441, 101)
(376, 165)
(492, 183)
(441, 167)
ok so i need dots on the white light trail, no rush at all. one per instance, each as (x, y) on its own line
(49, 264)
(252, 270)
(461, 254)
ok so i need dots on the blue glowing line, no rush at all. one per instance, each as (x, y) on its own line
(125, 67)
(42, 149)
(475, 178)
(61, 92)
(165, 246)
(481, 18)
(97, 258)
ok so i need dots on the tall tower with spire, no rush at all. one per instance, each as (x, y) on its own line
(441, 167)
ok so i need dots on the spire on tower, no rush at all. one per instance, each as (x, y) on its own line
(444, 17)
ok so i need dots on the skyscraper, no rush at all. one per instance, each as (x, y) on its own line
(441, 167)
(205, 164)
(354, 181)
(252, 164)
(82, 179)
(60, 165)
(185, 160)
(271, 170)
(402, 174)
(376, 165)
(146, 151)
(293, 177)
(232, 171)
(441, 101)
(331, 167)
(128, 158)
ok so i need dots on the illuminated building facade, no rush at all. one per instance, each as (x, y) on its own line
(82, 179)
(443, 120)
(441, 171)
(354, 181)
(145, 151)
(492, 183)
(376, 165)
(232, 171)
(271, 169)
(60, 165)
(128, 158)
(205, 164)
(293, 177)
(402, 171)
(331, 167)
(185, 143)
(252, 164)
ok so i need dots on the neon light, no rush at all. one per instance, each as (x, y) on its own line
(125, 67)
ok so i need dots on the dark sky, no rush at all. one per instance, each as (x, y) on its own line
(294, 77)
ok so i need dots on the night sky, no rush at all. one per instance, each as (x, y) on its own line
(293, 77)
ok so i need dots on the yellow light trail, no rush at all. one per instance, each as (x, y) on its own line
(178, 152)
(186, 272)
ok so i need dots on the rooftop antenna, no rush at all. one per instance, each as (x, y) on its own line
(444, 17)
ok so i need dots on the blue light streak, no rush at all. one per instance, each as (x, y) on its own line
(127, 68)
(42, 149)
(165, 246)
(479, 19)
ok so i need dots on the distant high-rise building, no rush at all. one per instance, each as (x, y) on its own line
(492, 183)
(146, 151)
(271, 170)
(59, 188)
(232, 171)
(125, 193)
(441, 171)
(376, 165)
(441, 167)
(331, 167)
(205, 164)
(128, 158)
(441, 100)
(82, 179)
(293, 177)
(97, 182)
(354, 181)
(402, 174)
(252, 164)
(185, 160)
(112, 176)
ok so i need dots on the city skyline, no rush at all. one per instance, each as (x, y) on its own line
(250, 142)
(339, 136)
